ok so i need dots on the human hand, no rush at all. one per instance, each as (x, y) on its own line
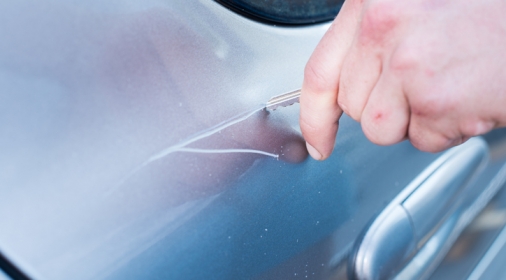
(429, 71)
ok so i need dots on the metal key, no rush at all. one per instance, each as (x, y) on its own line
(283, 100)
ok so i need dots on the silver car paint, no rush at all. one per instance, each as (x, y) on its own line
(91, 91)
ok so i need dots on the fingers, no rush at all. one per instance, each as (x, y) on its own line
(385, 118)
(319, 110)
(427, 139)
(360, 73)
(362, 67)
(353, 69)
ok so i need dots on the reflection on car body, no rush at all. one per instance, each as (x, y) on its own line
(93, 96)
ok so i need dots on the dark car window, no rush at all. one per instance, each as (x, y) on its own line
(286, 12)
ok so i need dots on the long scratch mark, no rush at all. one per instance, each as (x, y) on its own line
(180, 147)
(203, 134)
(224, 151)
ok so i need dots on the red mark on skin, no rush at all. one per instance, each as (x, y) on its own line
(430, 73)
(378, 21)
(378, 116)
(415, 110)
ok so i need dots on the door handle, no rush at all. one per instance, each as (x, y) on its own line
(417, 224)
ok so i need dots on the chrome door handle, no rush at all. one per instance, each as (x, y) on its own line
(428, 209)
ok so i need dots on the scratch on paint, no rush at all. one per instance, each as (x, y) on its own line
(224, 151)
(181, 147)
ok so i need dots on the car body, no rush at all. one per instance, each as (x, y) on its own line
(117, 121)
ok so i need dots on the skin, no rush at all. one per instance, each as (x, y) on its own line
(433, 72)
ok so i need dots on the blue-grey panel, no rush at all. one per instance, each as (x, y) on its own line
(491, 265)
(95, 99)
(4, 276)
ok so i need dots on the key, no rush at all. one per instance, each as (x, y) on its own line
(283, 100)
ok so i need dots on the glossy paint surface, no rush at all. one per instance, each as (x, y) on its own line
(96, 102)
(469, 251)
(3, 276)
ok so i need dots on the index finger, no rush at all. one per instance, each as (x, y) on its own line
(319, 113)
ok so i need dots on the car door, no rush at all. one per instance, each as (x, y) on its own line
(135, 146)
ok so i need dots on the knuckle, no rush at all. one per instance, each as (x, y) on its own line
(424, 107)
(432, 144)
(405, 58)
(382, 128)
(379, 19)
(431, 102)
(469, 128)
(422, 145)
(475, 127)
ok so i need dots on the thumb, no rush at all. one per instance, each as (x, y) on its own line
(319, 113)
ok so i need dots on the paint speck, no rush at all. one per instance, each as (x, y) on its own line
(341, 171)
(322, 264)
(261, 236)
(317, 222)
(295, 274)
(229, 237)
(180, 104)
(265, 229)
(297, 240)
